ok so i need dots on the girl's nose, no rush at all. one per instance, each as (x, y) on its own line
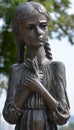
(39, 31)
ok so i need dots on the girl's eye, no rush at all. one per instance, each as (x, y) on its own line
(43, 25)
(30, 27)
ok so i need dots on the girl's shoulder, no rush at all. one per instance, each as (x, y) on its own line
(17, 69)
(17, 72)
(58, 67)
(57, 64)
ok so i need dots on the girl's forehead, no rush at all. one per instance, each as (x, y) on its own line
(35, 16)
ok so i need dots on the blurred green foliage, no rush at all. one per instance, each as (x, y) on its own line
(61, 25)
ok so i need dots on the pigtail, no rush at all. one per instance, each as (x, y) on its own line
(48, 50)
(20, 50)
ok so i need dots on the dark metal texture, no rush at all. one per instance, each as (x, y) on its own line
(37, 97)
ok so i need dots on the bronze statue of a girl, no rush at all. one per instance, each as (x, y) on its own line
(36, 98)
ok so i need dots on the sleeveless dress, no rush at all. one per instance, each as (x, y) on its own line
(35, 114)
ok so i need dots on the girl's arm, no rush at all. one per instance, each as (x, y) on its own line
(58, 106)
(33, 83)
(13, 107)
(62, 112)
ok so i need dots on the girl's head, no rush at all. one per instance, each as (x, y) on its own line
(25, 11)
(30, 26)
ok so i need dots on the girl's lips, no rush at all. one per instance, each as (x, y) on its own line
(40, 40)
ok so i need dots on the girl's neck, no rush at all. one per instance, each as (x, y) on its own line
(39, 53)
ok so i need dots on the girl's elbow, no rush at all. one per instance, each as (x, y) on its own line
(9, 117)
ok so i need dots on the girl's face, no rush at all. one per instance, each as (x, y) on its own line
(34, 30)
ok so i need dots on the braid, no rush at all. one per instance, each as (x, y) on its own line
(20, 49)
(48, 51)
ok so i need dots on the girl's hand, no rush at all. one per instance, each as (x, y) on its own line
(38, 73)
(32, 82)
(34, 65)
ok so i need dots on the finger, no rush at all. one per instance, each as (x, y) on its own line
(40, 72)
(29, 60)
(40, 75)
(33, 65)
(29, 80)
(33, 76)
(36, 64)
(26, 83)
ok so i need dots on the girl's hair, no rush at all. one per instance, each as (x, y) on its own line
(48, 50)
(22, 12)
